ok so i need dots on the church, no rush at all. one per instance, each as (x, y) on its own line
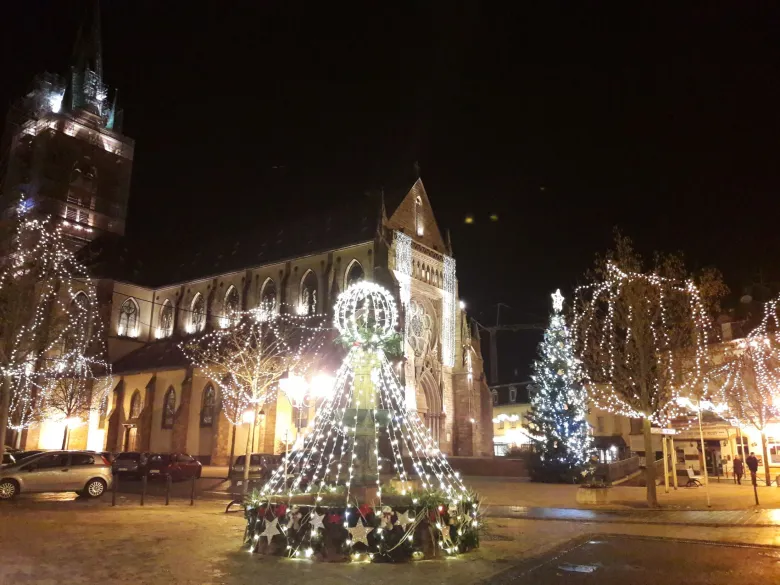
(68, 158)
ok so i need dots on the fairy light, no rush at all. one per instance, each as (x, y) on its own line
(53, 327)
(607, 310)
(559, 406)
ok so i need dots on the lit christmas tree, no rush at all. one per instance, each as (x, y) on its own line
(559, 407)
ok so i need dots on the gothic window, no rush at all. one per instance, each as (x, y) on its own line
(135, 405)
(207, 410)
(197, 314)
(354, 273)
(307, 304)
(169, 408)
(420, 328)
(268, 299)
(418, 216)
(230, 307)
(166, 319)
(494, 394)
(128, 319)
(512, 394)
(78, 323)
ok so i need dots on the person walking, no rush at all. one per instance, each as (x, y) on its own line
(739, 469)
(752, 464)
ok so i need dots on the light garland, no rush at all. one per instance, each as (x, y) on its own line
(449, 306)
(341, 453)
(623, 320)
(53, 327)
(559, 405)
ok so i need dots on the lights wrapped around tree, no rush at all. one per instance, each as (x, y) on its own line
(563, 446)
(53, 328)
(368, 482)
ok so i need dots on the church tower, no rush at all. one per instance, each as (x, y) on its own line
(63, 150)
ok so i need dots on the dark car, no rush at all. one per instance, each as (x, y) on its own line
(261, 466)
(130, 464)
(178, 466)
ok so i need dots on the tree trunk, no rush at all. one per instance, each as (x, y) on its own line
(248, 457)
(652, 498)
(766, 459)
(5, 405)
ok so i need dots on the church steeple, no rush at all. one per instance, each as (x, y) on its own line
(87, 91)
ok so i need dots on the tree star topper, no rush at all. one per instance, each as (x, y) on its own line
(360, 532)
(557, 298)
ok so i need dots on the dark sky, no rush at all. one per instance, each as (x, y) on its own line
(564, 120)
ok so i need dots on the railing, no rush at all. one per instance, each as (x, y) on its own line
(610, 472)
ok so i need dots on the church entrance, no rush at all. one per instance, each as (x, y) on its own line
(131, 438)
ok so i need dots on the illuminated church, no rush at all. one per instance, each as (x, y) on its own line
(158, 402)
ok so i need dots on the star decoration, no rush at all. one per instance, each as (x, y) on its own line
(315, 520)
(271, 529)
(360, 532)
(557, 298)
(404, 519)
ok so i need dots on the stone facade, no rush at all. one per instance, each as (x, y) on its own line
(443, 365)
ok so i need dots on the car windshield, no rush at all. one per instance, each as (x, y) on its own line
(159, 459)
(255, 460)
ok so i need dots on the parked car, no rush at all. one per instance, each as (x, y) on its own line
(83, 472)
(178, 465)
(130, 464)
(21, 455)
(261, 466)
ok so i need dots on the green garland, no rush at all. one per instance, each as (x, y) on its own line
(425, 525)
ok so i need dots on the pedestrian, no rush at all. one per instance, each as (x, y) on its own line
(739, 469)
(752, 464)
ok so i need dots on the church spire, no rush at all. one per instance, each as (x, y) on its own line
(87, 90)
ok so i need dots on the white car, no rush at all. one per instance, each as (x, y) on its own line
(83, 472)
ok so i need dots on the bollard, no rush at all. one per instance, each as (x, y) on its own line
(114, 486)
(143, 488)
(755, 487)
(167, 489)
(192, 492)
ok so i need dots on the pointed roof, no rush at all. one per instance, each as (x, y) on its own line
(88, 50)
(413, 215)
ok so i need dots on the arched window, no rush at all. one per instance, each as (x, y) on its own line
(418, 216)
(268, 303)
(207, 410)
(135, 405)
(512, 394)
(230, 307)
(307, 303)
(165, 327)
(169, 408)
(354, 273)
(494, 394)
(78, 332)
(128, 319)
(197, 314)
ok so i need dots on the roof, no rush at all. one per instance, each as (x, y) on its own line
(136, 261)
(164, 354)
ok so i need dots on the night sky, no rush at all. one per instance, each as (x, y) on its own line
(565, 122)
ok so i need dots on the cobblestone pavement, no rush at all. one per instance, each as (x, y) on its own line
(58, 539)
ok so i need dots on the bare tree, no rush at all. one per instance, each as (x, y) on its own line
(249, 357)
(48, 316)
(641, 337)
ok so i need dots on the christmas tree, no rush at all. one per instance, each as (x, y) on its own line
(558, 418)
